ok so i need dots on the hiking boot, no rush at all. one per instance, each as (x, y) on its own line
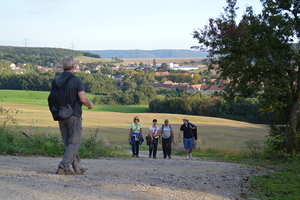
(169, 157)
(137, 156)
(190, 156)
(80, 171)
(61, 171)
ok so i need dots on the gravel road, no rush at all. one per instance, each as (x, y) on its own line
(117, 178)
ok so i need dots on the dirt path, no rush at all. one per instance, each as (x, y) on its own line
(117, 178)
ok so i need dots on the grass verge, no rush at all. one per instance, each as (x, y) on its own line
(283, 184)
(19, 143)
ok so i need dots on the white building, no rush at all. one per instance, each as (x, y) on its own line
(185, 68)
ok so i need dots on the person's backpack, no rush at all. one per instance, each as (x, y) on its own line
(163, 126)
(58, 101)
(194, 130)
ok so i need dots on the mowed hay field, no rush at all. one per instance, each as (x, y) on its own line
(86, 59)
(113, 127)
(128, 61)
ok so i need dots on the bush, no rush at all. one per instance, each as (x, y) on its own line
(275, 142)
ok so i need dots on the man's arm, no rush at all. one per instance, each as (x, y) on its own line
(172, 137)
(179, 138)
(192, 126)
(84, 100)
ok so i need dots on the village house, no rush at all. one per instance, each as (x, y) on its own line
(158, 86)
(47, 69)
(11, 65)
(185, 68)
(170, 86)
(162, 73)
(21, 64)
(129, 67)
(96, 66)
(205, 89)
(115, 68)
(82, 67)
(168, 82)
(118, 77)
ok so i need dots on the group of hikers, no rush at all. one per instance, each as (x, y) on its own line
(163, 135)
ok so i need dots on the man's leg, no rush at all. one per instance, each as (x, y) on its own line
(150, 150)
(155, 148)
(164, 147)
(71, 130)
(137, 148)
(169, 146)
(133, 145)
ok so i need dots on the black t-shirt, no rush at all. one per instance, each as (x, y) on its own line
(187, 131)
(74, 86)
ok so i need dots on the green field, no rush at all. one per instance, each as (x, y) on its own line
(40, 98)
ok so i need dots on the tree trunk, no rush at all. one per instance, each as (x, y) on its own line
(291, 137)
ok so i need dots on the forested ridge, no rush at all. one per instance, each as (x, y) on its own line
(43, 56)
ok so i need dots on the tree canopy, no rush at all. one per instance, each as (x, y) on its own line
(257, 58)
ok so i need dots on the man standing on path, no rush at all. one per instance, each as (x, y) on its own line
(188, 138)
(71, 128)
(166, 137)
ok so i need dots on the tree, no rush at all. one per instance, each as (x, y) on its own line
(107, 70)
(164, 67)
(196, 78)
(257, 56)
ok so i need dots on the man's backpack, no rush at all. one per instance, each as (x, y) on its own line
(163, 126)
(58, 101)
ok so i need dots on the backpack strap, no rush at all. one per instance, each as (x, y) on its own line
(64, 84)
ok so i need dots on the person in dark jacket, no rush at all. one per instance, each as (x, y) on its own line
(188, 137)
(71, 128)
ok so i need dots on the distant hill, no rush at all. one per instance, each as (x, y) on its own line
(160, 53)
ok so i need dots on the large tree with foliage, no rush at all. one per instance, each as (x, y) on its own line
(256, 55)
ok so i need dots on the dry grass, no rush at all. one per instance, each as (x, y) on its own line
(114, 127)
(86, 59)
(128, 61)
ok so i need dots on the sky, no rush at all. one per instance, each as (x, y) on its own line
(109, 24)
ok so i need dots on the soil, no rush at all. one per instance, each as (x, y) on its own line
(132, 178)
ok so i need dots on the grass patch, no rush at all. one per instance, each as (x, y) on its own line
(122, 109)
(40, 98)
(282, 185)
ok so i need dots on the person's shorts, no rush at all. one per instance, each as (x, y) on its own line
(188, 143)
